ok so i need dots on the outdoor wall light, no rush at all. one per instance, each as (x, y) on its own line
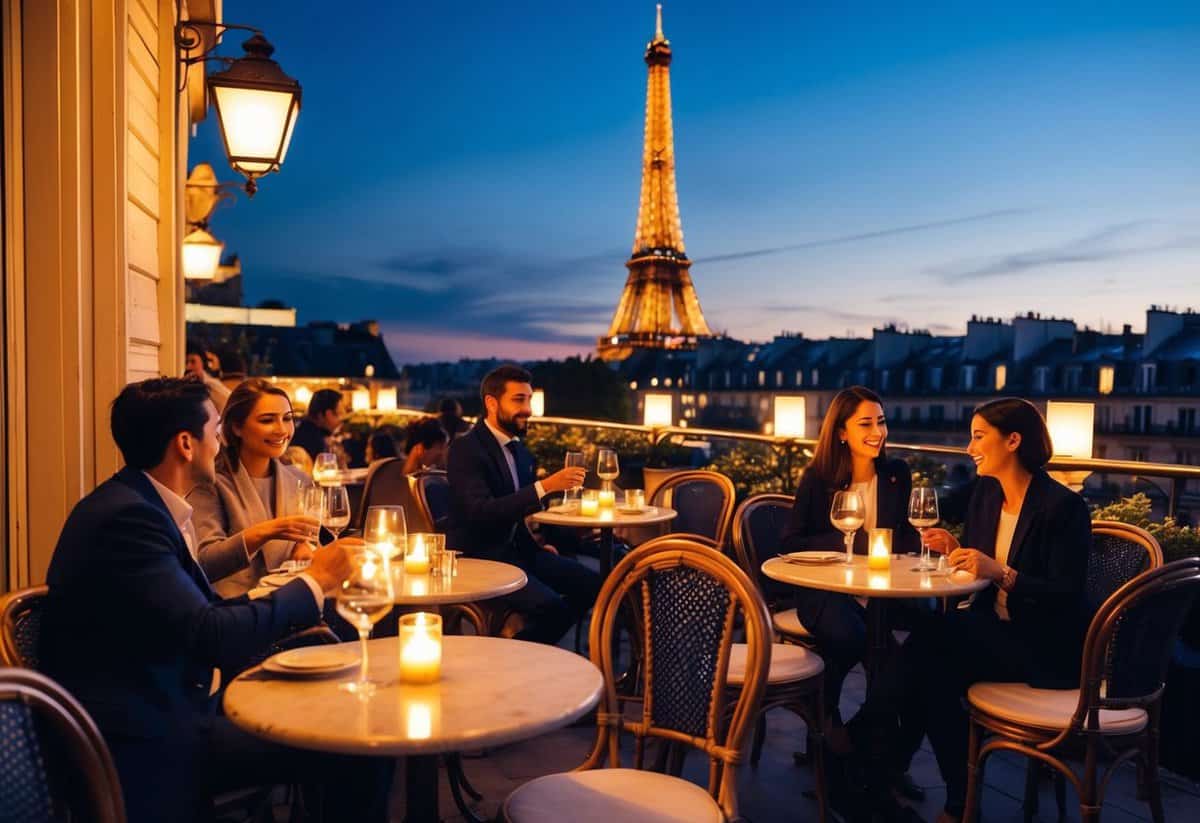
(202, 251)
(1071, 428)
(790, 416)
(201, 255)
(257, 104)
(537, 403)
(657, 409)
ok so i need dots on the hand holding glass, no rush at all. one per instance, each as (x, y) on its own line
(574, 460)
(847, 515)
(923, 514)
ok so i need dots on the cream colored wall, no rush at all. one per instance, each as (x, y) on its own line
(94, 296)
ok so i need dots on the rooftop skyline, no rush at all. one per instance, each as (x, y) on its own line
(471, 181)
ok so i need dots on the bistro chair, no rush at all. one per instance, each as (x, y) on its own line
(758, 525)
(386, 485)
(52, 757)
(20, 621)
(430, 490)
(1120, 552)
(703, 500)
(1116, 709)
(690, 598)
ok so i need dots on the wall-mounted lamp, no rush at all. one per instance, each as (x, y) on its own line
(657, 409)
(537, 403)
(1071, 428)
(201, 255)
(257, 104)
(790, 416)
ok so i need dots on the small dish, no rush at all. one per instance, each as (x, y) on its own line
(312, 660)
(818, 558)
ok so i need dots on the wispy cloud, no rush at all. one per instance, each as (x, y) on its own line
(847, 239)
(853, 318)
(1117, 241)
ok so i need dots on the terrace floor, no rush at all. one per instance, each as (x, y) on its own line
(774, 791)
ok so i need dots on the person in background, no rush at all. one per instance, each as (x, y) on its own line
(233, 367)
(204, 364)
(426, 445)
(298, 458)
(315, 430)
(381, 446)
(451, 418)
(132, 629)
(493, 488)
(248, 520)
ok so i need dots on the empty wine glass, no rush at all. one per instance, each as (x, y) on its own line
(364, 598)
(847, 514)
(607, 467)
(923, 514)
(336, 513)
(385, 530)
(573, 460)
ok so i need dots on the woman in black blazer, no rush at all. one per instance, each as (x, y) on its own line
(849, 453)
(1030, 536)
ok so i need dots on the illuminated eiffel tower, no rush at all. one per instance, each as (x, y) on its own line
(659, 308)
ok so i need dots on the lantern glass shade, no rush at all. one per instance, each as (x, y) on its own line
(790, 416)
(657, 410)
(537, 403)
(1071, 426)
(385, 398)
(360, 400)
(201, 255)
(257, 106)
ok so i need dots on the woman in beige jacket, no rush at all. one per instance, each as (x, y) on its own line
(247, 522)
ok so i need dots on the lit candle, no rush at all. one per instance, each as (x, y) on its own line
(420, 647)
(880, 557)
(589, 503)
(417, 559)
(607, 498)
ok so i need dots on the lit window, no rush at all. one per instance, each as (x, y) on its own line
(1107, 376)
(762, 378)
(1001, 376)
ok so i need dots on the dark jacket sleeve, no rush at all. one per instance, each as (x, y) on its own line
(809, 527)
(150, 582)
(1069, 534)
(471, 499)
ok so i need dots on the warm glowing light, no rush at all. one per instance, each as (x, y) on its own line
(538, 403)
(589, 503)
(790, 416)
(606, 499)
(369, 371)
(385, 398)
(1107, 375)
(657, 410)
(420, 647)
(879, 580)
(880, 556)
(1071, 426)
(303, 395)
(1001, 376)
(201, 255)
(360, 400)
(417, 559)
(419, 720)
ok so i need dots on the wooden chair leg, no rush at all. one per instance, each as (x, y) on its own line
(974, 774)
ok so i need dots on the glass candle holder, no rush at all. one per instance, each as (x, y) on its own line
(606, 498)
(417, 558)
(635, 499)
(589, 503)
(879, 542)
(420, 647)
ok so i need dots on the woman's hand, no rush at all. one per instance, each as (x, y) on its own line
(939, 540)
(296, 527)
(976, 563)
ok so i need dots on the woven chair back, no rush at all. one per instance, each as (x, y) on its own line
(758, 525)
(703, 501)
(431, 492)
(20, 624)
(1120, 552)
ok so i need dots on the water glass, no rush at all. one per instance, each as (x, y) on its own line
(325, 469)
(635, 499)
(573, 460)
(450, 563)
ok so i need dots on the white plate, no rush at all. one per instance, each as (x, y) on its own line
(815, 557)
(277, 580)
(313, 660)
(636, 512)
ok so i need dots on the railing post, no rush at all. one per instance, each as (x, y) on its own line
(1176, 490)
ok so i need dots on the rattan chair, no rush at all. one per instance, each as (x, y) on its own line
(20, 621)
(53, 761)
(690, 597)
(758, 525)
(431, 492)
(703, 500)
(1120, 552)
(388, 485)
(1115, 711)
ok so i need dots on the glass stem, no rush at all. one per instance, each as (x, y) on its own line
(850, 547)
(362, 669)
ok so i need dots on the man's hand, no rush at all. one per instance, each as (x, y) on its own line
(331, 564)
(563, 479)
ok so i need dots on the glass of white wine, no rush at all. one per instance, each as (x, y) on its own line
(923, 514)
(573, 460)
(847, 514)
(336, 513)
(364, 598)
(607, 467)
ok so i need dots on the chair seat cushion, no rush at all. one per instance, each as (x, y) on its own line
(788, 664)
(607, 795)
(1046, 708)
(788, 622)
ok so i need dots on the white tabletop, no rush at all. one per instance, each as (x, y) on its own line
(476, 580)
(607, 518)
(898, 581)
(492, 691)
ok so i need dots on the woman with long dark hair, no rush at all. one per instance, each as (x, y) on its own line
(850, 454)
(244, 521)
(1030, 536)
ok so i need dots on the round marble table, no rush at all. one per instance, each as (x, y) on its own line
(476, 580)
(607, 520)
(492, 691)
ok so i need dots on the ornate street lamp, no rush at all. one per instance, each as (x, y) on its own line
(201, 255)
(202, 251)
(257, 104)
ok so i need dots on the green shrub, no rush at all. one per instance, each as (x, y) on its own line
(1176, 541)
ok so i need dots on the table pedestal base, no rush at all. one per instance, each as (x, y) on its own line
(421, 788)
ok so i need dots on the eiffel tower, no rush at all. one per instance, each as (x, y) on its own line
(659, 308)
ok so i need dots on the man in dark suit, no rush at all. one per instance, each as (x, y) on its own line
(132, 628)
(493, 487)
(315, 430)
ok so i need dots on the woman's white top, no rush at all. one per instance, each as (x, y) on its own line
(867, 492)
(1004, 536)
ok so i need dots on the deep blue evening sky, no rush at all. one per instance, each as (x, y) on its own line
(468, 173)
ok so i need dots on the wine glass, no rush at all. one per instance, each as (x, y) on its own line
(573, 460)
(847, 514)
(364, 598)
(923, 514)
(607, 467)
(385, 530)
(336, 514)
(325, 469)
(312, 503)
